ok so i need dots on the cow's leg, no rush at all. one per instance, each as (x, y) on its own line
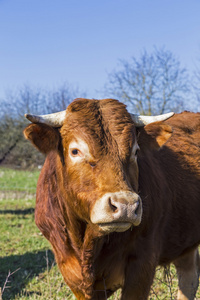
(138, 280)
(188, 268)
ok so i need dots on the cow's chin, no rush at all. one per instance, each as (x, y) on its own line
(114, 227)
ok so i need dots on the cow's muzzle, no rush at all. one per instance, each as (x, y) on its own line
(117, 211)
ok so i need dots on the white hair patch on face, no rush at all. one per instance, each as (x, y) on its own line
(134, 152)
(79, 150)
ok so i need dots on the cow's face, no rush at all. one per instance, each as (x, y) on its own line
(100, 152)
(97, 168)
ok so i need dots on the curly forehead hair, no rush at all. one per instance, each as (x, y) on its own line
(106, 123)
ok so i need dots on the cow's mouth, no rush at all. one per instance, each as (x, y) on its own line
(115, 226)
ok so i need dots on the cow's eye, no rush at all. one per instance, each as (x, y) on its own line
(74, 152)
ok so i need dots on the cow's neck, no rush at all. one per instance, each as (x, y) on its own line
(86, 240)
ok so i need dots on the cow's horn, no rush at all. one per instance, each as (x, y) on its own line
(54, 120)
(145, 120)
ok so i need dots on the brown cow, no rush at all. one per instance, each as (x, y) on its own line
(113, 213)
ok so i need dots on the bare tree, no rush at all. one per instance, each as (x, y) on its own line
(14, 150)
(155, 83)
(60, 98)
(39, 101)
(196, 86)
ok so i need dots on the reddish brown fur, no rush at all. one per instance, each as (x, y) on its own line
(93, 264)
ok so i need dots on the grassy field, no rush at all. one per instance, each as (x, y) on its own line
(24, 253)
(27, 266)
(18, 180)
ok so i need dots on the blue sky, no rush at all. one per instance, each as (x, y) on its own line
(44, 43)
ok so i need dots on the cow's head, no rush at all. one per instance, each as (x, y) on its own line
(97, 143)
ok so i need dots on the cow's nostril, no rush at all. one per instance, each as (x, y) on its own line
(137, 207)
(112, 205)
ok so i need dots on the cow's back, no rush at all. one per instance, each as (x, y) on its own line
(180, 158)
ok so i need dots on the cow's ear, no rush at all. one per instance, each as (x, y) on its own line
(43, 137)
(154, 136)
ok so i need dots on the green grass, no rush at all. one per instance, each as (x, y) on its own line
(24, 250)
(26, 253)
(18, 180)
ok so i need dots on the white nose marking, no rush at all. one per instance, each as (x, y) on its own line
(117, 207)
